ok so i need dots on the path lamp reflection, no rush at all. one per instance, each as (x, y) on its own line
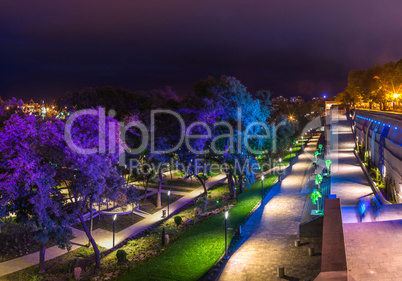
(226, 233)
(114, 229)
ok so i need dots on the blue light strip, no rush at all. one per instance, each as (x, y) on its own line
(376, 122)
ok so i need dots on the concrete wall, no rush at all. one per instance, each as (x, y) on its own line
(311, 228)
(333, 256)
(392, 145)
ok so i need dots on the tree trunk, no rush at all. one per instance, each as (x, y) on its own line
(42, 258)
(233, 187)
(92, 217)
(240, 181)
(91, 239)
(203, 184)
(231, 184)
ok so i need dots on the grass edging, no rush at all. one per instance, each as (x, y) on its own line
(195, 252)
(220, 264)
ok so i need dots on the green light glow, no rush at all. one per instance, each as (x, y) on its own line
(315, 195)
(318, 179)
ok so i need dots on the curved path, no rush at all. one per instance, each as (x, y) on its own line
(270, 232)
(104, 237)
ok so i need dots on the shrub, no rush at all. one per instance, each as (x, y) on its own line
(178, 220)
(121, 256)
(163, 236)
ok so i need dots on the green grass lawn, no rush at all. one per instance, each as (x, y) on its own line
(198, 249)
(286, 159)
(179, 174)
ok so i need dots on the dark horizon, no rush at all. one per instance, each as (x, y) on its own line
(290, 48)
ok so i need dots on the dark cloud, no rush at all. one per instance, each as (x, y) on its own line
(288, 46)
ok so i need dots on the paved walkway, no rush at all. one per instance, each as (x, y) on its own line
(373, 248)
(348, 181)
(270, 233)
(104, 237)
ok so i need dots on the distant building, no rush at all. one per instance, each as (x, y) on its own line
(31, 108)
(279, 99)
(328, 105)
(40, 109)
(297, 100)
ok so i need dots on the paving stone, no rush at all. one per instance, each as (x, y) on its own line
(271, 233)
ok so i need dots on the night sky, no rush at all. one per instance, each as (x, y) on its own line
(291, 47)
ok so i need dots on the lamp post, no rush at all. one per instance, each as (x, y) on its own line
(92, 218)
(168, 202)
(114, 229)
(226, 233)
(262, 190)
(290, 154)
(280, 169)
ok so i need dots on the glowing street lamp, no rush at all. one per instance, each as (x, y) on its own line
(395, 98)
(114, 229)
(262, 190)
(290, 154)
(168, 202)
(226, 233)
(280, 169)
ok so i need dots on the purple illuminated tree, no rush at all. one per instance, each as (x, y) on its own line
(89, 175)
(36, 158)
(27, 181)
(228, 101)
